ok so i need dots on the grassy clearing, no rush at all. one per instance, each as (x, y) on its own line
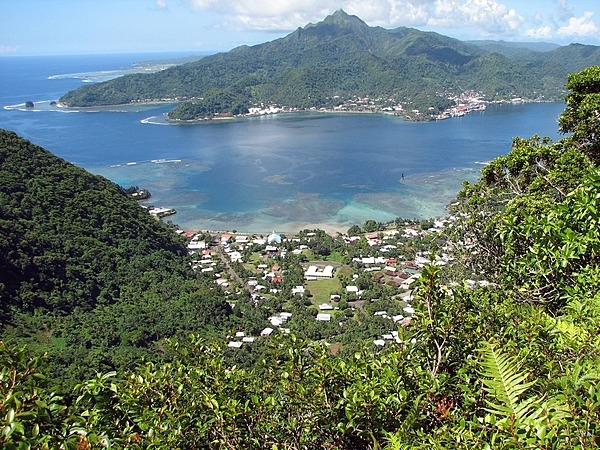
(321, 289)
(344, 270)
(336, 257)
(255, 259)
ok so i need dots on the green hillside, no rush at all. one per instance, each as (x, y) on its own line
(338, 59)
(86, 273)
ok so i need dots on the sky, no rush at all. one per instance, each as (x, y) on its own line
(57, 27)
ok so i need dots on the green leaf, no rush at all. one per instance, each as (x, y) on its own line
(504, 383)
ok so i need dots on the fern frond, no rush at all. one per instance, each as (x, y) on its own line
(397, 439)
(413, 416)
(567, 331)
(505, 384)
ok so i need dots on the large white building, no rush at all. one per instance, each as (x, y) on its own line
(316, 272)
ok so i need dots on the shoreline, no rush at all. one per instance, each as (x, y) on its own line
(329, 229)
(400, 114)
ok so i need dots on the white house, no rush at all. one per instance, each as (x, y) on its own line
(314, 271)
(235, 344)
(298, 290)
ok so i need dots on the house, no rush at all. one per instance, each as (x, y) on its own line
(196, 245)
(406, 283)
(222, 282)
(235, 257)
(370, 260)
(378, 277)
(235, 344)
(391, 271)
(161, 212)
(316, 272)
(298, 290)
(276, 321)
(323, 317)
(274, 238)
(266, 332)
(325, 307)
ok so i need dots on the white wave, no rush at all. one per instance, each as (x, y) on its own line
(105, 75)
(91, 77)
(165, 161)
(15, 107)
(156, 120)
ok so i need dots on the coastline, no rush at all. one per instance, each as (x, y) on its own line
(475, 104)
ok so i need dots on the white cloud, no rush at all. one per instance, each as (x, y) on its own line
(161, 4)
(544, 32)
(579, 26)
(488, 16)
(476, 18)
(267, 14)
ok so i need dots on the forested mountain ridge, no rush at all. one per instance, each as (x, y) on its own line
(86, 273)
(338, 59)
(59, 221)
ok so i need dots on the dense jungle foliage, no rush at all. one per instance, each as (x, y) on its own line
(510, 363)
(339, 59)
(86, 274)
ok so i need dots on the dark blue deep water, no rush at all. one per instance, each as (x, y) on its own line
(283, 172)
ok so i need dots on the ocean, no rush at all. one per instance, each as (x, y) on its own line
(282, 172)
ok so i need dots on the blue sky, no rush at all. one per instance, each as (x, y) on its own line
(52, 27)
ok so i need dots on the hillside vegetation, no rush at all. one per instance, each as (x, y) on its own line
(340, 59)
(509, 363)
(86, 274)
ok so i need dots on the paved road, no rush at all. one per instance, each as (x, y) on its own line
(232, 273)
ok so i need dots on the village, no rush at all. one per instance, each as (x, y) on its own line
(462, 104)
(353, 286)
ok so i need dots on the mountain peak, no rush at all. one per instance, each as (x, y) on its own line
(340, 15)
(340, 19)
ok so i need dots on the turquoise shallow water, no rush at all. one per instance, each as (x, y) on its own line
(284, 172)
